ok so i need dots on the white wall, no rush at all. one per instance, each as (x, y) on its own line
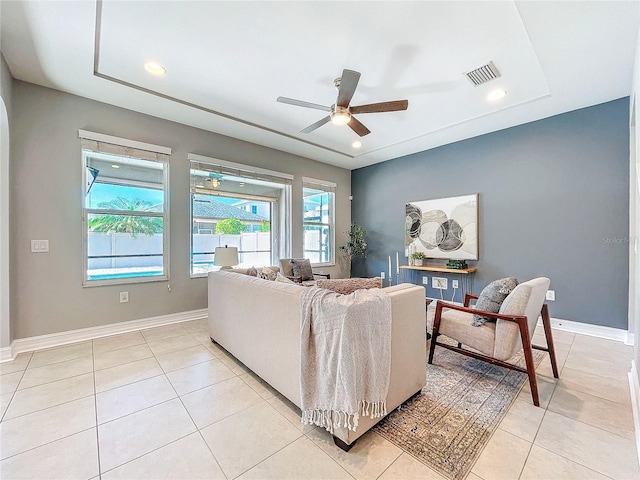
(5, 106)
(634, 230)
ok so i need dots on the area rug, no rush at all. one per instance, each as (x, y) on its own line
(448, 424)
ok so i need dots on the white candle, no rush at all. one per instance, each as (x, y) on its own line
(389, 269)
(397, 263)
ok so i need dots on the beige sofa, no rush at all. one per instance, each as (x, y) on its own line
(258, 321)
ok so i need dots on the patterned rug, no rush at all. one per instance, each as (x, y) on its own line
(449, 423)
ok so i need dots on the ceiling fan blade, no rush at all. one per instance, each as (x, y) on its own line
(300, 103)
(319, 123)
(381, 107)
(348, 83)
(358, 127)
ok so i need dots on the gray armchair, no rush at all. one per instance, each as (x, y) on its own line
(496, 342)
(287, 271)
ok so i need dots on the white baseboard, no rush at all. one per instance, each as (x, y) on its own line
(592, 330)
(634, 385)
(72, 336)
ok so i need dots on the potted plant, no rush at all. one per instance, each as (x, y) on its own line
(418, 258)
(355, 246)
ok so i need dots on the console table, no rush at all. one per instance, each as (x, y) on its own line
(466, 275)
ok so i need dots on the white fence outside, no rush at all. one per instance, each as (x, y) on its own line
(123, 251)
(254, 248)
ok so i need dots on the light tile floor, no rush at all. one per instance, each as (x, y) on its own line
(167, 403)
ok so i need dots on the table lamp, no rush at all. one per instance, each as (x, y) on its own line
(226, 257)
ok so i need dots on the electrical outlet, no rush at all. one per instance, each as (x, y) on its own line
(425, 280)
(454, 283)
(382, 275)
(439, 282)
(124, 297)
(551, 295)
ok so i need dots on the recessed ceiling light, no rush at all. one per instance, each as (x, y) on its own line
(115, 166)
(496, 95)
(154, 68)
(356, 144)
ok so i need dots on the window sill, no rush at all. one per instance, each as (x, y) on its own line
(320, 265)
(124, 281)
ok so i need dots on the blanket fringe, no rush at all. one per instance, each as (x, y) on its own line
(373, 409)
(332, 419)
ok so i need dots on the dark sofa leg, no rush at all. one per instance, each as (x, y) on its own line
(413, 396)
(344, 446)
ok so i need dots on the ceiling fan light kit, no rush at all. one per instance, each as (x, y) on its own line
(341, 113)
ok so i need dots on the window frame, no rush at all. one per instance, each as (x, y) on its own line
(280, 209)
(129, 149)
(327, 187)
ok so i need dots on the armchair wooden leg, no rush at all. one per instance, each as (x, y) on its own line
(528, 358)
(546, 323)
(434, 333)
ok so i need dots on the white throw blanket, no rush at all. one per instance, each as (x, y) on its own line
(345, 356)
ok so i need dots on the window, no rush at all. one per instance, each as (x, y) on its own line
(318, 220)
(125, 213)
(239, 206)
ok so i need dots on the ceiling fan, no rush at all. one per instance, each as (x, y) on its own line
(341, 113)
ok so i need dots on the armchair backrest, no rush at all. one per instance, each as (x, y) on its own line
(526, 299)
(287, 268)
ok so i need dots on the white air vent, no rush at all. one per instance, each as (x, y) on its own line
(483, 74)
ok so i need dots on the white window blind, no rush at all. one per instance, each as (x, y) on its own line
(222, 167)
(319, 184)
(124, 147)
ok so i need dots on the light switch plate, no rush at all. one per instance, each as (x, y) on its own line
(39, 246)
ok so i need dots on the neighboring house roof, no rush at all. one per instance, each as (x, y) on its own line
(207, 207)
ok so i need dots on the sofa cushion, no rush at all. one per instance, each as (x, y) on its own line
(349, 285)
(491, 298)
(252, 272)
(281, 278)
(302, 268)
(267, 274)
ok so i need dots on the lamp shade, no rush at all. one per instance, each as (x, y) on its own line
(226, 256)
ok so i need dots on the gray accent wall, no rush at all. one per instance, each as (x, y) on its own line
(46, 196)
(553, 201)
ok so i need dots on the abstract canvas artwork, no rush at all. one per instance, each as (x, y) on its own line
(443, 227)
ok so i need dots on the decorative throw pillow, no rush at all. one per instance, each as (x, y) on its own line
(349, 285)
(267, 274)
(491, 298)
(282, 279)
(302, 268)
(252, 272)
